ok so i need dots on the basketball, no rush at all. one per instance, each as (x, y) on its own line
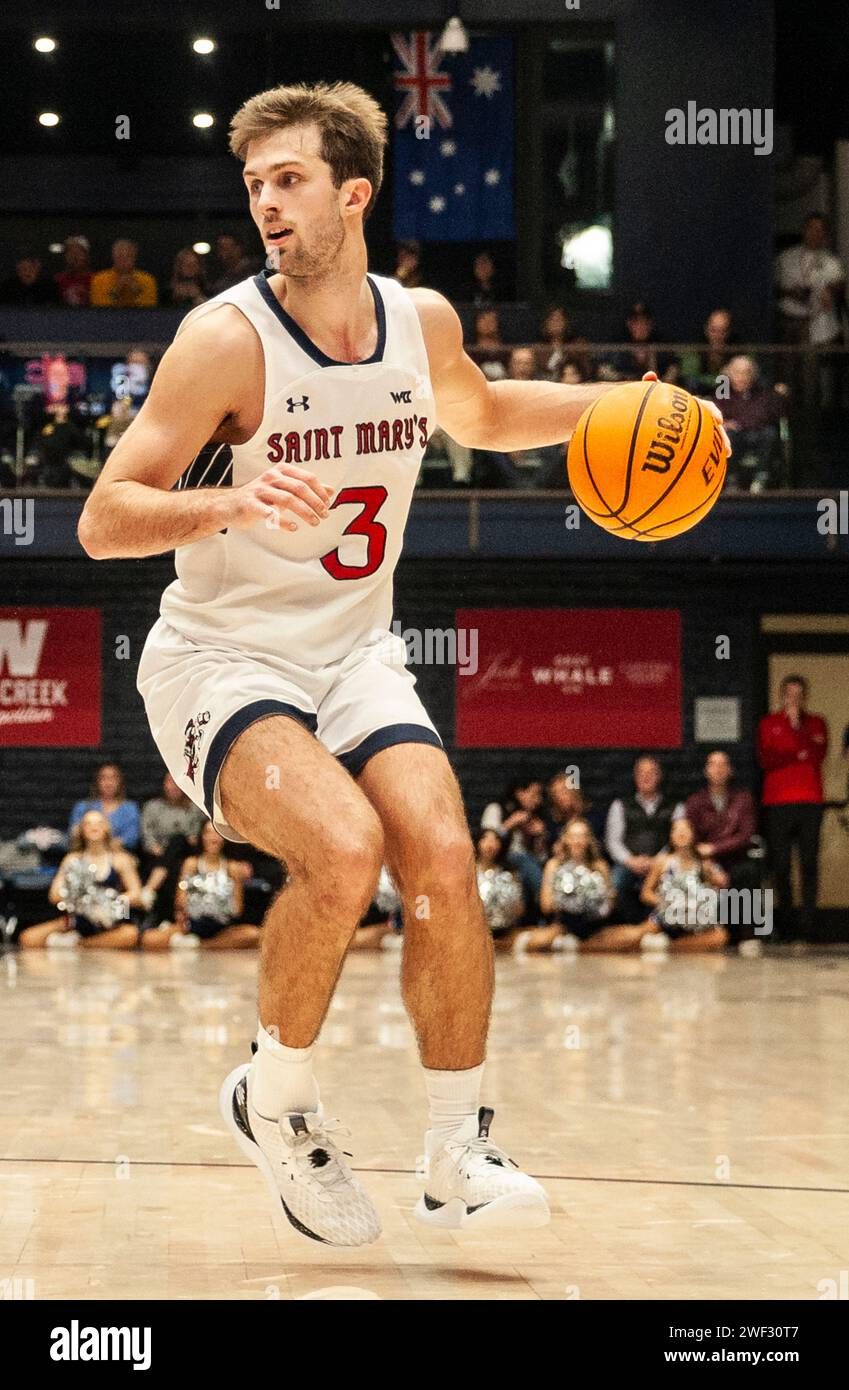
(647, 461)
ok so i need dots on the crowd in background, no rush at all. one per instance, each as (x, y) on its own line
(69, 430)
(555, 870)
(810, 307)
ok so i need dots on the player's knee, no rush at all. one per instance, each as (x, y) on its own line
(452, 858)
(346, 858)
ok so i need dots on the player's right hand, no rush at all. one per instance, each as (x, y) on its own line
(284, 496)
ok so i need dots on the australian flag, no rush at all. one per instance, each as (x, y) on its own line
(453, 139)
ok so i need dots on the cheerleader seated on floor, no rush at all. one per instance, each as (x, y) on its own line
(381, 928)
(499, 887)
(577, 893)
(682, 890)
(208, 903)
(95, 887)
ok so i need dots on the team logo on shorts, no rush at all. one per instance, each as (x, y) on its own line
(191, 748)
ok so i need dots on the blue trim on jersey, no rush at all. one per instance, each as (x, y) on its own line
(388, 737)
(236, 725)
(305, 342)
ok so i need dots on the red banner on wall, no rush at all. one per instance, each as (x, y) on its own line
(570, 677)
(49, 677)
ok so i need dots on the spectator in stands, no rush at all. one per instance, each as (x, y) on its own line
(483, 288)
(95, 886)
(724, 819)
(123, 286)
(518, 819)
(209, 904)
(577, 894)
(107, 794)
(60, 437)
(560, 345)
(232, 264)
(682, 889)
(573, 371)
(187, 286)
(636, 830)
(113, 425)
(565, 803)
(643, 357)
(752, 415)
(408, 264)
(139, 374)
(532, 467)
(488, 348)
(699, 369)
(522, 364)
(810, 281)
(28, 288)
(166, 816)
(73, 282)
(792, 745)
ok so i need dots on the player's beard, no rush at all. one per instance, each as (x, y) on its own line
(317, 260)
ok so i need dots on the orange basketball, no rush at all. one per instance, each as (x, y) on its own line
(646, 461)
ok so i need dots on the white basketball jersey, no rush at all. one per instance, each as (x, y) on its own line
(314, 594)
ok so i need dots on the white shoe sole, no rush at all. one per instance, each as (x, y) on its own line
(253, 1151)
(521, 1211)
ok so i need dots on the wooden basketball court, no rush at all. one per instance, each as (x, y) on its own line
(689, 1118)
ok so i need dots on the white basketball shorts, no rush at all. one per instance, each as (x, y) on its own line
(199, 699)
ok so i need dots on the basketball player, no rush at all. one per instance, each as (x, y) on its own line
(277, 454)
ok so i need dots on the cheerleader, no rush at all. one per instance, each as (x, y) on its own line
(679, 887)
(381, 928)
(95, 886)
(499, 888)
(208, 904)
(577, 892)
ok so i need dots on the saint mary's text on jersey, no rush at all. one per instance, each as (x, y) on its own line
(373, 437)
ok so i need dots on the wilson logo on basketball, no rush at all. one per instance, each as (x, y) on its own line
(647, 461)
(670, 433)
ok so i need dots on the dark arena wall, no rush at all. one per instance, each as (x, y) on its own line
(714, 599)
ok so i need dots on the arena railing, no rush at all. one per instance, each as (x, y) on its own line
(58, 416)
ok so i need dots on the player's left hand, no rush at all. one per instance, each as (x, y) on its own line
(709, 405)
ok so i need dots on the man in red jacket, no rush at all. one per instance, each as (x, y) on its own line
(791, 747)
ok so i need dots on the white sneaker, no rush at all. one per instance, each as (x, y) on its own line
(184, 941)
(752, 947)
(654, 943)
(469, 1182)
(63, 940)
(566, 942)
(305, 1171)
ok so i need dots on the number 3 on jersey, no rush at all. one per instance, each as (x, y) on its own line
(371, 499)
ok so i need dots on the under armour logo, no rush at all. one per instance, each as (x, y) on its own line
(399, 396)
(302, 404)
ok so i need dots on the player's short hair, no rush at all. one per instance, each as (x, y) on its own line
(351, 123)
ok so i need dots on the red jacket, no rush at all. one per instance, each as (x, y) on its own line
(729, 831)
(791, 758)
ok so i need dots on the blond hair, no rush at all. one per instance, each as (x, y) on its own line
(351, 125)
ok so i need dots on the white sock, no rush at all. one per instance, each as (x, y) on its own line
(281, 1079)
(453, 1098)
